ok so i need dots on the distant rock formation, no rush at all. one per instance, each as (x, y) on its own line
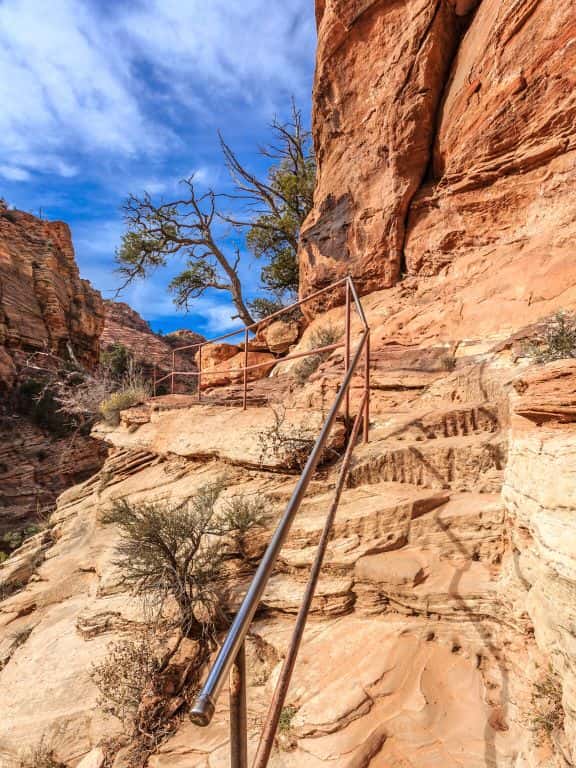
(124, 326)
(44, 304)
(45, 307)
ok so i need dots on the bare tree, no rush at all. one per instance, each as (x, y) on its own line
(273, 208)
(185, 226)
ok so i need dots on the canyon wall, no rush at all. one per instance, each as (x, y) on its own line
(149, 350)
(45, 307)
(44, 304)
(443, 130)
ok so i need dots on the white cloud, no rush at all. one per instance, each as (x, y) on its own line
(84, 77)
(13, 173)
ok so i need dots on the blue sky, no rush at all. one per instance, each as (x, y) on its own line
(101, 98)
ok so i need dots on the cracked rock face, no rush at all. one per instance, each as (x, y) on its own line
(380, 73)
(444, 131)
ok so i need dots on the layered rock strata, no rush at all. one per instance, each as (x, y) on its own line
(48, 316)
(44, 304)
(149, 350)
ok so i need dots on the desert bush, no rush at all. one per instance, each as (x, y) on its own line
(40, 756)
(242, 513)
(177, 551)
(322, 337)
(12, 540)
(123, 676)
(289, 444)
(116, 361)
(547, 710)
(556, 340)
(132, 394)
(60, 397)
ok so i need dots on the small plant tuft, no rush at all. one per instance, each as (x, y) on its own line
(123, 676)
(133, 394)
(290, 444)
(287, 714)
(40, 756)
(242, 513)
(556, 340)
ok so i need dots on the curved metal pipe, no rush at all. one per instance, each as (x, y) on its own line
(203, 709)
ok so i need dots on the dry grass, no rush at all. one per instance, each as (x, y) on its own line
(547, 710)
(132, 394)
(40, 756)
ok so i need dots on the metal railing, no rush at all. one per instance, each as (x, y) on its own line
(230, 660)
(200, 375)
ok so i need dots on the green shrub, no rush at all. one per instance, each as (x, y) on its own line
(287, 714)
(322, 337)
(177, 551)
(116, 361)
(130, 395)
(556, 340)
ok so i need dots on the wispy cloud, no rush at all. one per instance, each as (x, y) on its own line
(14, 173)
(101, 98)
(110, 78)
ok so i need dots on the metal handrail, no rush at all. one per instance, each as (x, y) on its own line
(231, 657)
(200, 374)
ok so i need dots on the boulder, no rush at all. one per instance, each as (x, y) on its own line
(215, 354)
(231, 369)
(280, 335)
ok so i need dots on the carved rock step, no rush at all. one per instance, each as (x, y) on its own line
(388, 516)
(384, 524)
(434, 423)
(473, 463)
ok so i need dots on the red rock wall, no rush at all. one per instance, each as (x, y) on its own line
(442, 131)
(380, 73)
(504, 160)
(44, 305)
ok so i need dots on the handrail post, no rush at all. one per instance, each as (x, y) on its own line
(347, 353)
(173, 367)
(199, 373)
(238, 720)
(367, 387)
(245, 394)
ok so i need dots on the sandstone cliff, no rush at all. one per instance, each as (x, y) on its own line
(44, 305)
(44, 308)
(444, 131)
